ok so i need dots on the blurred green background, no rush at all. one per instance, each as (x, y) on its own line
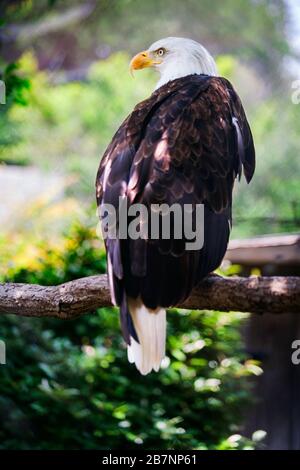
(67, 385)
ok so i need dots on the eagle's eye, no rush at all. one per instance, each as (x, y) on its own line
(161, 51)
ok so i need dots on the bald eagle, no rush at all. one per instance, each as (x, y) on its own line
(185, 144)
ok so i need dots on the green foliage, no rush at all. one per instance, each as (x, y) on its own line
(66, 126)
(274, 194)
(16, 87)
(68, 385)
(15, 84)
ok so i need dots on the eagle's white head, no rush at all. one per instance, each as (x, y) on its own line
(175, 58)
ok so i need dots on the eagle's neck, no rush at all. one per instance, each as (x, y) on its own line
(200, 61)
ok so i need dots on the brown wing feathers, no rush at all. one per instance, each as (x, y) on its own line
(184, 144)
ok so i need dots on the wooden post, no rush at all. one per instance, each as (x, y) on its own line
(269, 338)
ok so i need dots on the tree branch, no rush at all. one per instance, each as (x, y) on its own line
(75, 298)
(24, 33)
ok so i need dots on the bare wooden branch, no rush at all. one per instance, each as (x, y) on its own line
(81, 296)
(24, 33)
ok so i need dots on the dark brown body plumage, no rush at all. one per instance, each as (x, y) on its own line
(185, 144)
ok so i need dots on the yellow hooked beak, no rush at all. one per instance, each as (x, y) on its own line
(142, 60)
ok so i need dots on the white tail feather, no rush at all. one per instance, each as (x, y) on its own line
(150, 326)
